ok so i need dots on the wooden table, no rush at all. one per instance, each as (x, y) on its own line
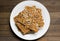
(6, 34)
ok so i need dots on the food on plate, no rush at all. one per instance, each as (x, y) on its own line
(29, 20)
(22, 28)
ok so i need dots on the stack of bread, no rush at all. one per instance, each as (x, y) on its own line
(29, 20)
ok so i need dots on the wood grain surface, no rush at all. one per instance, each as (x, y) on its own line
(6, 34)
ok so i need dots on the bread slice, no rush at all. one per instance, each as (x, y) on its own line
(22, 28)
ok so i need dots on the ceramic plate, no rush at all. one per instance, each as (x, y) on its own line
(45, 14)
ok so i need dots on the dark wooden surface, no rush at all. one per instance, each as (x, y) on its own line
(53, 33)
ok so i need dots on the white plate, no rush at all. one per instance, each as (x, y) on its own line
(18, 8)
